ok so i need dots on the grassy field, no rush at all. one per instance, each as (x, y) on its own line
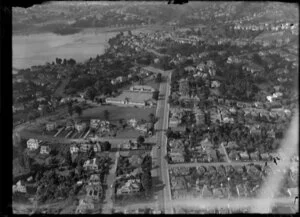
(129, 133)
(116, 113)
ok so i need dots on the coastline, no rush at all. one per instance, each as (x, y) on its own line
(86, 30)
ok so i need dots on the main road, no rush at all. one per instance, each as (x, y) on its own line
(160, 151)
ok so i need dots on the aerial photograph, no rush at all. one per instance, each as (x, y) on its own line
(151, 107)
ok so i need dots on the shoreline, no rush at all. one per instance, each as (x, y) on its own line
(87, 30)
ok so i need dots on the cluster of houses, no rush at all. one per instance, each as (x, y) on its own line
(94, 193)
(180, 180)
(201, 152)
(130, 186)
(267, 26)
(34, 144)
(85, 147)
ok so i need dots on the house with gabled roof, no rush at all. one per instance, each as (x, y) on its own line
(74, 149)
(85, 147)
(19, 187)
(131, 186)
(94, 179)
(90, 164)
(33, 144)
(45, 149)
(93, 191)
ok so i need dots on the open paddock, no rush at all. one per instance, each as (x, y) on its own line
(116, 113)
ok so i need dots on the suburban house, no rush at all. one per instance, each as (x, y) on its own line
(254, 156)
(174, 121)
(19, 187)
(142, 127)
(142, 88)
(206, 144)
(233, 155)
(131, 186)
(176, 157)
(265, 156)
(232, 145)
(97, 147)
(83, 206)
(94, 180)
(215, 84)
(271, 133)
(33, 144)
(74, 149)
(132, 122)
(85, 147)
(69, 125)
(94, 191)
(90, 164)
(45, 149)
(51, 126)
(80, 126)
(18, 107)
(212, 155)
(244, 156)
(94, 123)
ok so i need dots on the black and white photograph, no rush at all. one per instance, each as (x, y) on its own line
(155, 107)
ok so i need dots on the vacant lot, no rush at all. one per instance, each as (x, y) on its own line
(116, 113)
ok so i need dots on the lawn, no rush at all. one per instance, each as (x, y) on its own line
(129, 133)
(116, 113)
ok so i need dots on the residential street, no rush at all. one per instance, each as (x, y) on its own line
(217, 164)
(108, 204)
(159, 154)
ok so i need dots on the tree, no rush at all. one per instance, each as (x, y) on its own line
(146, 181)
(71, 62)
(106, 146)
(155, 95)
(78, 110)
(147, 163)
(30, 116)
(70, 109)
(58, 61)
(91, 153)
(169, 133)
(152, 118)
(68, 158)
(158, 78)
(91, 92)
(106, 115)
(140, 140)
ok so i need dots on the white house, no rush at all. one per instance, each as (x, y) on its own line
(33, 144)
(19, 187)
(50, 126)
(94, 123)
(83, 206)
(45, 149)
(80, 126)
(215, 84)
(94, 179)
(132, 122)
(74, 149)
(90, 165)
